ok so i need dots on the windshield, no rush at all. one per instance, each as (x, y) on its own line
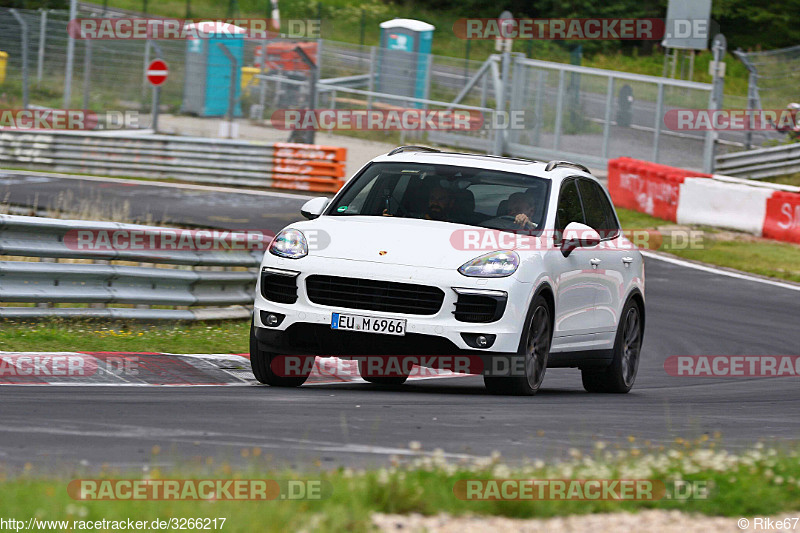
(462, 195)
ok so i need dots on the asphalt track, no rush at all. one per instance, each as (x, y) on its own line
(689, 312)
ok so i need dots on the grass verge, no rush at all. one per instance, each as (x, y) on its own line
(54, 335)
(756, 482)
(728, 249)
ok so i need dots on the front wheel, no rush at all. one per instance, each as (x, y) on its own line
(534, 348)
(261, 363)
(621, 374)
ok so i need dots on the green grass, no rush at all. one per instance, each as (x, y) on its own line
(54, 335)
(738, 251)
(791, 179)
(756, 482)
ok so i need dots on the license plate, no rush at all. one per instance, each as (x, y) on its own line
(368, 324)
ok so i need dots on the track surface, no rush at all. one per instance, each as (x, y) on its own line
(689, 312)
(149, 203)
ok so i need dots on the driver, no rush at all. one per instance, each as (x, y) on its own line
(520, 206)
(440, 204)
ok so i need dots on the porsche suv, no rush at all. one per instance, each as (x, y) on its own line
(431, 252)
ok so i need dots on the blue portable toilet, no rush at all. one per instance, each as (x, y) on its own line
(207, 80)
(404, 58)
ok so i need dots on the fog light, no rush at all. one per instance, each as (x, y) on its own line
(271, 320)
(479, 340)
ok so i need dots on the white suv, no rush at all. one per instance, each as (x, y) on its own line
(426, 252)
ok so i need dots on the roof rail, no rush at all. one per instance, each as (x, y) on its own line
(409, 148)
(553, 164)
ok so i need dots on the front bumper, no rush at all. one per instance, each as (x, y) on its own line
(305, 328)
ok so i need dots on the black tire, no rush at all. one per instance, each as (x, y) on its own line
(534, 346)
(380, 380)
(620, 375)
(260, 362)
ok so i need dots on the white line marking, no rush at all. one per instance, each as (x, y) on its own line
(719, 271)
(190, 186)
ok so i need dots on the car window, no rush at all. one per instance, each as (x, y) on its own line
(447, 193)
(569, 207)
(598, 210)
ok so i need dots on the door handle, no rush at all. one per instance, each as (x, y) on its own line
(627, 261)
(595, 262)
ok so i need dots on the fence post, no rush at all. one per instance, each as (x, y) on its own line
(559, 110)
(752, 91)
(658, 121)
(87, 72)
(718, 47)
(607, 117)
(73, 12)
(371, 84)
(499, 134)
(24, 26)
(42, 41)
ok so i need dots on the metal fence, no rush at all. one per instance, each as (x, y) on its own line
(118, 283)
(761, 163)
(197, 160)
(591, 115)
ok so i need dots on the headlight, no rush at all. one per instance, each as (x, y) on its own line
(289, 243)
(493, 265)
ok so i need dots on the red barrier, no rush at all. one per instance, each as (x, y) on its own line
(647, 187)
(782, 221)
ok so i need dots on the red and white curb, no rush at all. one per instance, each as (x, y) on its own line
(164, 369)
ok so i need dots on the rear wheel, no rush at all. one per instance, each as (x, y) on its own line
(261, 361)
(621, 374)
(380, 380)
(534, 348)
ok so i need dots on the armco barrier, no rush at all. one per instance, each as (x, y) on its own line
(646, 187)
(193, 159)
(763, 209)
(193, 279)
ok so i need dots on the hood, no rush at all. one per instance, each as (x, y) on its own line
(405, 241)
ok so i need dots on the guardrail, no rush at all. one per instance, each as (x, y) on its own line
(761, 163)
(119, 278)
(194, 159)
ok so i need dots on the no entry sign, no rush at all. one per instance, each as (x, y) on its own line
(157, 72)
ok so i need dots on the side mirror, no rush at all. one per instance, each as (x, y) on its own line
(577, 235)
(314, 207)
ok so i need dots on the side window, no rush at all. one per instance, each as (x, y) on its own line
(569, 207)
(599, 213)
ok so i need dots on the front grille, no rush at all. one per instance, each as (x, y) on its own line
(280, 287)
(373, 295)
(479, 308)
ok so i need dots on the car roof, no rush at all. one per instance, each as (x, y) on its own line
(488, 162)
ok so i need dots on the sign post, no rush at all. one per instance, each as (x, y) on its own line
(156, 73)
